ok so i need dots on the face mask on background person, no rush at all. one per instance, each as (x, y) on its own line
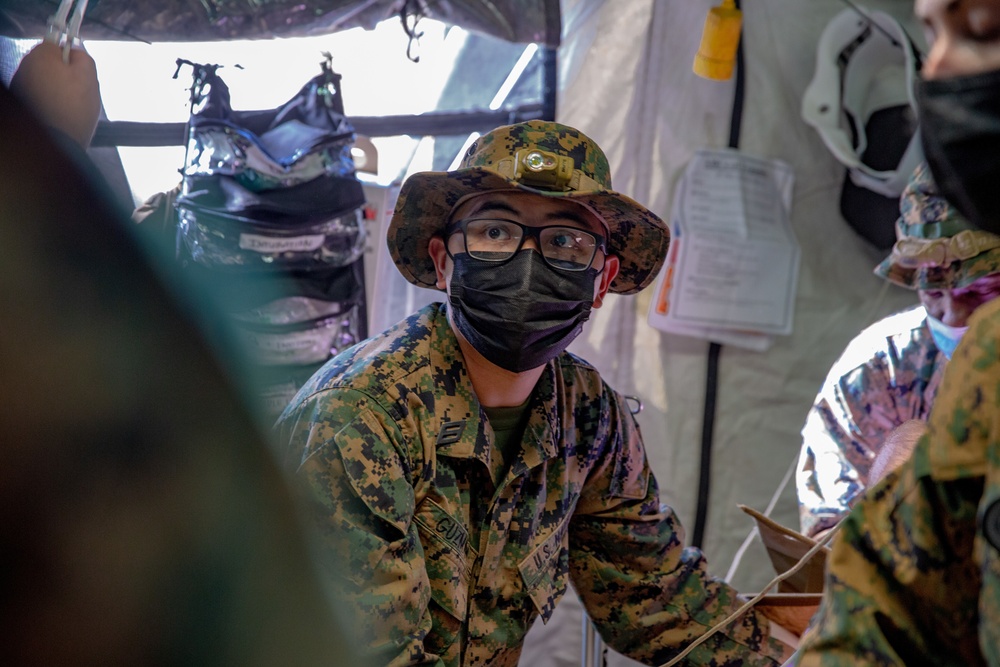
(945, 337)
(960, 131)
(522, 313)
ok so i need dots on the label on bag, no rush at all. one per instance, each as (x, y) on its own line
(269, 244)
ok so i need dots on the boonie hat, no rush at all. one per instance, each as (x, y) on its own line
(539, 157)
(936, 248)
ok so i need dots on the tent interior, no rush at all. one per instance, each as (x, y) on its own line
(721, 422)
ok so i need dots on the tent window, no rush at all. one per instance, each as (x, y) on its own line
(476, 81)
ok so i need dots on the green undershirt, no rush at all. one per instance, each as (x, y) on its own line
(508, 428)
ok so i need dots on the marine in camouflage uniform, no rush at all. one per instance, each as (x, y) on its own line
(890, 373)
(914, 576)
(452, 555)
(454, 545)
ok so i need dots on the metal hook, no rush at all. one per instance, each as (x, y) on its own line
(411, 9)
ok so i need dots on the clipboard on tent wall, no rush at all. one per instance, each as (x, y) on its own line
(732, 268)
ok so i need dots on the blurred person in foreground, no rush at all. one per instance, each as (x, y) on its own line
(143, 520)
(914, 576)
(467, 468)
(890, 373)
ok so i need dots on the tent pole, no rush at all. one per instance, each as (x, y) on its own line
(715, 349)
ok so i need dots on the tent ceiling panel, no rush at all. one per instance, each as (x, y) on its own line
(210, 20)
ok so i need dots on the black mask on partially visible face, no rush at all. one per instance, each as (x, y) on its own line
(960, 131)
(522, 313)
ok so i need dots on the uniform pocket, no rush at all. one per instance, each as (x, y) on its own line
(444, 540)
(546, 570)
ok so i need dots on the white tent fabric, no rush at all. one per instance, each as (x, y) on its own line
(626, 81)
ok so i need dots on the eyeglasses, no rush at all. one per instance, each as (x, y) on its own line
(497, 240)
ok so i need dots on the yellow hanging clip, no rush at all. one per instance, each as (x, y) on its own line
(716, 56)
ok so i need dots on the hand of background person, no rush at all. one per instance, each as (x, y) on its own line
(64, 96)
(896, 448)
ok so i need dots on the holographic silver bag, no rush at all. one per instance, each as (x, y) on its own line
(274, 189)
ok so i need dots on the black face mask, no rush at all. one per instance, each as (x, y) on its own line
(960, 131)
(522, 313)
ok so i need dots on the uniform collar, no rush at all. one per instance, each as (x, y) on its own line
(457, 403)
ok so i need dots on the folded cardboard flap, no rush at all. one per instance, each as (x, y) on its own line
(786, 547)
(792, 611)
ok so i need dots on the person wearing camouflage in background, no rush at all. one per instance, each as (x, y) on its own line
(914, 573)
(465, 467)
(890, 372)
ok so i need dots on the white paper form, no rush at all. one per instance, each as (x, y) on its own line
(733, 264)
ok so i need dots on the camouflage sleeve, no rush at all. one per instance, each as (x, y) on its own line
(970, 391)
(826, 481)
(913, 578)
(649, 595)
(901, 585)
(355, 472)
(853, 413)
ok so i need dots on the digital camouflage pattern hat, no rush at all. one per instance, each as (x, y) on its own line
(936, 247)
(539, 157)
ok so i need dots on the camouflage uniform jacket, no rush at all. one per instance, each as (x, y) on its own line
(450, 555)
(887, 375)
(914, 576)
